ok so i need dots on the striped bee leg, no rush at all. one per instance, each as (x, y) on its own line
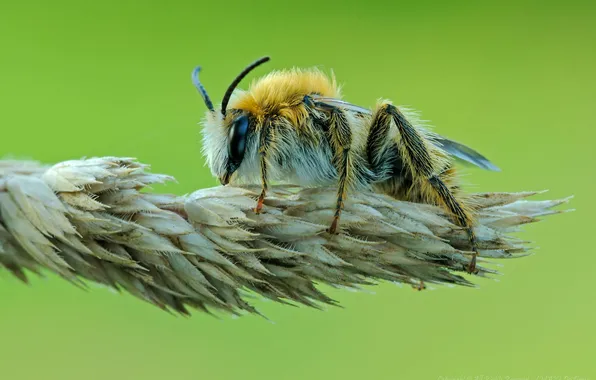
(340, 137)
(463, 219)
(416, 156)
(265, 139)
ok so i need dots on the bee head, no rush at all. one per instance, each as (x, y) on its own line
(226, 133)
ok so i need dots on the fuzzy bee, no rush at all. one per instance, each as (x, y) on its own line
(292, 126)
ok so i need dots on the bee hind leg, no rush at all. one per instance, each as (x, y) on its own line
(462, 217)
(415, 153)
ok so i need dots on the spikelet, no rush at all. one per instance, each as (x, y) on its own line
(90, 220)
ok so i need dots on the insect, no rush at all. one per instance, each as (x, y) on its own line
(292, 126)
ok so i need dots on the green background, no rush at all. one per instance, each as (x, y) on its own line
(515, 80)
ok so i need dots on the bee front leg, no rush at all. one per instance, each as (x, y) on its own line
(261, 199)
(340, 137)
(265, 140)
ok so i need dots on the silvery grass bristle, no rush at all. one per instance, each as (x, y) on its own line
(94, 220)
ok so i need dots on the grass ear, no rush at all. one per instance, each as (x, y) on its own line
(90, 220)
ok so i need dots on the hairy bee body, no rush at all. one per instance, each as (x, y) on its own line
(300, 151)
(292, 126)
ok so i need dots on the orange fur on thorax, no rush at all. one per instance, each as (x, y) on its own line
(282, 93)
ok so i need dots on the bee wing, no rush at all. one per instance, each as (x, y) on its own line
(465, 153)
(455, 149)
(341, 104)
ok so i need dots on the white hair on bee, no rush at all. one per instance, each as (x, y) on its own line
(307, 164)
(215, 143)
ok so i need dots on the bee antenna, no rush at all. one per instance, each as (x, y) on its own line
(202, 91)
(230, 90)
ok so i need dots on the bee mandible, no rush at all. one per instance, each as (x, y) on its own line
(292, 126)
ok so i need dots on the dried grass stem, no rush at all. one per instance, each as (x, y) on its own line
(92, 219)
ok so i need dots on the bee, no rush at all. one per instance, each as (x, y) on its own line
(292, 126)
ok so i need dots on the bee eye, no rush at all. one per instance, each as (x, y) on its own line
(237, 140)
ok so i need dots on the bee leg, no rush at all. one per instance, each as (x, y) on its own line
(461, 216)
(420, 286)
(340, 137)
(265, 139)
(377, 141)
(417, 157)
(260, 201)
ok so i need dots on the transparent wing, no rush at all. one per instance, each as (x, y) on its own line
(465, 153)
(341, 104)
(455, 149)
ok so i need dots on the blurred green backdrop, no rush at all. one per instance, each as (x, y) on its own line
(515, 80)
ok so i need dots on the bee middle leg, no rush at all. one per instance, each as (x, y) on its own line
(340, 137)
(417, 157)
